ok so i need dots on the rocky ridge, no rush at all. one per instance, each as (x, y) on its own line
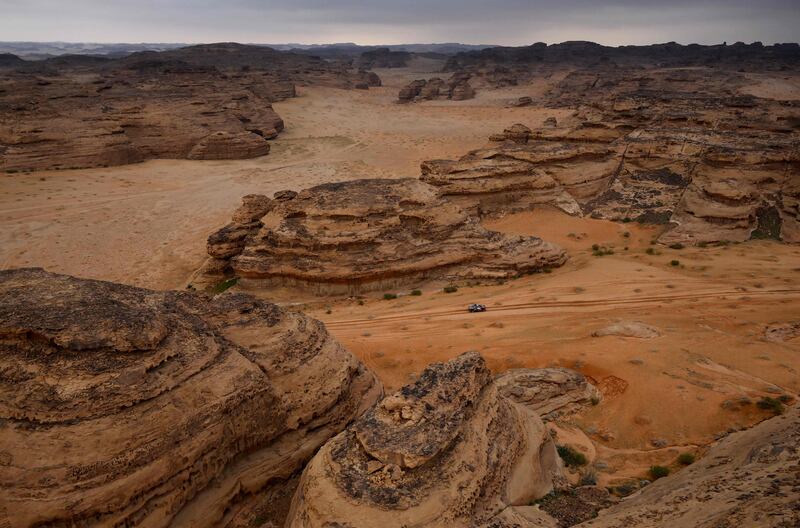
(124, 406)
(679, 148)
(363, 235)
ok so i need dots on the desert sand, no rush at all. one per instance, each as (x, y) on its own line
(146, 224)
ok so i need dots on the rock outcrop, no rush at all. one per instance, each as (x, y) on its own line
(448, 450)
(129, 407)
(548, 392)
(457, 88)
(363, 235)
(678, 148)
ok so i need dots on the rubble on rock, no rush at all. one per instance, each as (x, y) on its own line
(447, 450)
(549, 392)
(457, 88)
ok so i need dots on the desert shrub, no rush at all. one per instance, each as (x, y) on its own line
(626, 234)
(571, 456)
(675, 263)
(226, 284)
(702, 244)
(770, 404)
(650, 251)
(595, 247)
(416, 293)
(450, 289)
(595, 400)
(657, 472)
(389, 296)
(784, 398)
(588, 478)
(686, 458)
(676, 245)
(361, 302)
(328, 311)
(601, 250)
(627, 220)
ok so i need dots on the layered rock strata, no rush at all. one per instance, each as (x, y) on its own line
(367, 234)
(448, 450)
(129, 407)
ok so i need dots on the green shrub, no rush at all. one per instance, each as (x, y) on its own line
(416, 293)
(224, 285)
(389, 296)
(686, 459)
(627, 220)
(675, 263)
(676, 245)
(657, 472)
(770, 404)
(588, 478)
(450, 289)
(571, 457)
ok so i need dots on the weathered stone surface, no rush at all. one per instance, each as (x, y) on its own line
(124, 406)
(448, 450)
(549, 392)
(366, 234)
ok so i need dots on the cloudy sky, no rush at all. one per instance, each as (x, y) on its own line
(509, 22)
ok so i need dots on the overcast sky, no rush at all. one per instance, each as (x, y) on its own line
(509, 22)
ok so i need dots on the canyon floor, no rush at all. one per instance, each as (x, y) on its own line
(146, 225)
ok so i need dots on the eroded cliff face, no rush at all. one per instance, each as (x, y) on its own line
(448, 450)
(681, 148)
(124, 406)
(366, 234)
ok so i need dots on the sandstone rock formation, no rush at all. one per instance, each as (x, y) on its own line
(678, 148)
(368, 234)
(448, 450)
(129, 407)
(749, 479)
(457, 88)
(200, 102)
(548, 392)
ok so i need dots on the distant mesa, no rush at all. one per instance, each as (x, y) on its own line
(210, 101)
(364, 235)
(149, 408)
